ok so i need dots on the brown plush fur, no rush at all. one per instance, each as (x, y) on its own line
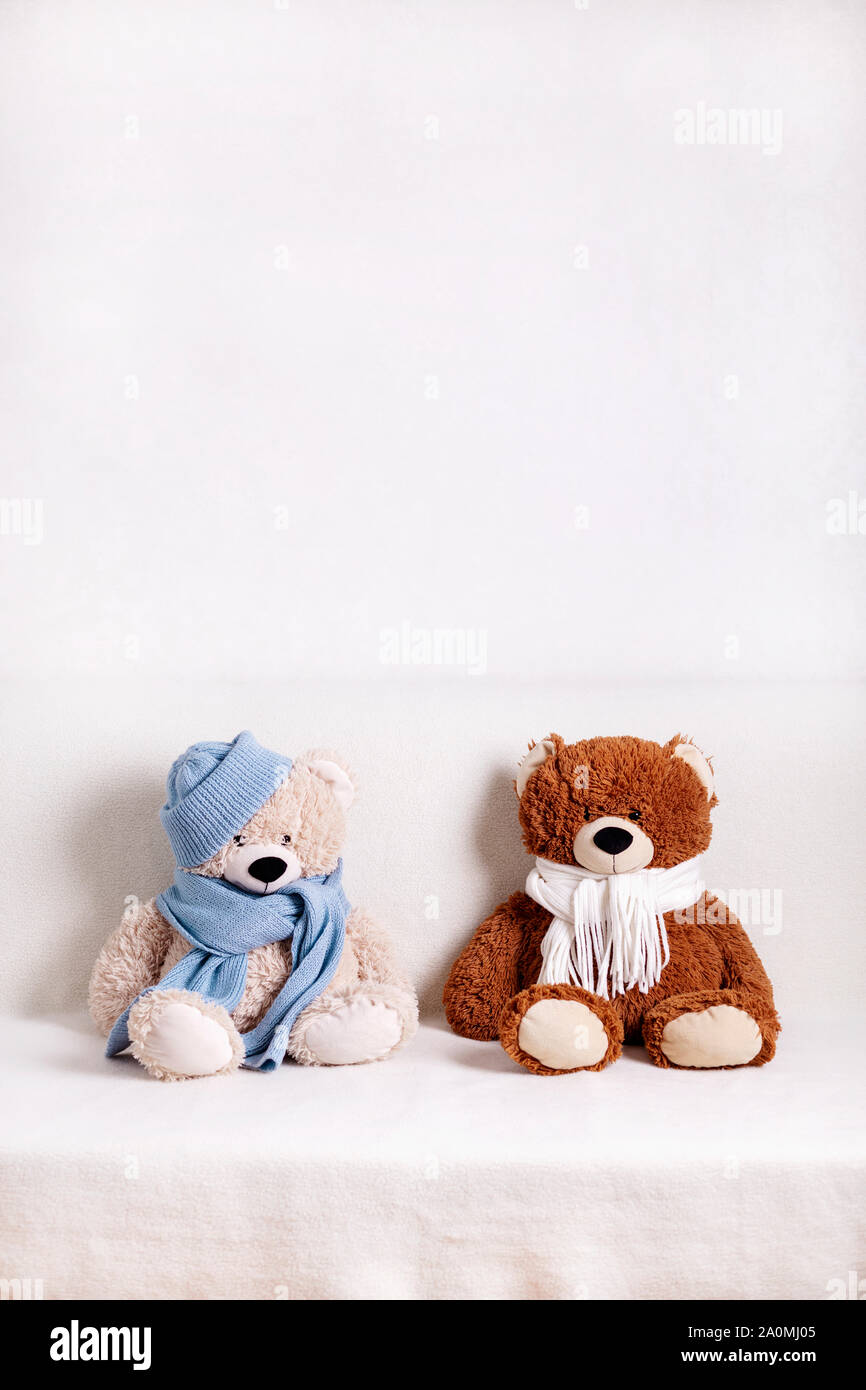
(712, 960)
(145, 947)
(625, 774)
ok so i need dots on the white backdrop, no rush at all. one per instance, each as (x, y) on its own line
(434, 841)
(416, 378)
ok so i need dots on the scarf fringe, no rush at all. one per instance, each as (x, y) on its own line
(608, 932)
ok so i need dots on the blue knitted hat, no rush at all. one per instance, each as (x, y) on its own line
(212, 791)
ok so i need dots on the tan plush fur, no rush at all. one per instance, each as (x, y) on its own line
(145, 947)
(131, 960)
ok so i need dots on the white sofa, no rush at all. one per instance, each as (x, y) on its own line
(446, 1172)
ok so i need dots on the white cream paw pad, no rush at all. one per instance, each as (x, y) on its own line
(562, 1033)
(720, 1036)
(185, 1041)
(363, 1030)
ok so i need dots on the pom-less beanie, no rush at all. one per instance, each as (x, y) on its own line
(212, 791)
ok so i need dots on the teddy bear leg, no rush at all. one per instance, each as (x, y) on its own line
(711, 1028)
(551, 1029)
(364, 1022)
(176, 1034)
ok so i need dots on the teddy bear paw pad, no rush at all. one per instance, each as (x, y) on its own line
(362, 1030)
(182, 1040)
(721, 1036)
(563, 1034)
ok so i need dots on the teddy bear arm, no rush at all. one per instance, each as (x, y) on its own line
(130, 961)
(488, 972)
(743, 968)
(373, 951)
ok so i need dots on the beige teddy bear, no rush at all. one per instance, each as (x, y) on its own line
(253, 953)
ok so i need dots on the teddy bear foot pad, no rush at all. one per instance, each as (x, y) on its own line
(720, 1036)
(562, 1033)
(176, 1035)
(363, 1029)
(552, 1029)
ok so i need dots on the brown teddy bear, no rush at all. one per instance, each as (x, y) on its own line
(253, 953)
(614, 939)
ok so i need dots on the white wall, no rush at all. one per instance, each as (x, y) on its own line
(434, 841)
(300, 345)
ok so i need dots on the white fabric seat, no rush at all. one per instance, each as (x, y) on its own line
(445, 1172)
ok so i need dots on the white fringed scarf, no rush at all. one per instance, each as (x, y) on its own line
(608, 932)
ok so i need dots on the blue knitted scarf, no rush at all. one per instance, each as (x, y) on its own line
(223, 924)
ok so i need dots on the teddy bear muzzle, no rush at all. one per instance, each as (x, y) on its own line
(612, 845)
(261, 868)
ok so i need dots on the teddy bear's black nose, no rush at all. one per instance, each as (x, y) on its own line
(611, 839)
(269, 868)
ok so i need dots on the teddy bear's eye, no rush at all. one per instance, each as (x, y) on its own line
(287, 839)
(634, 815)
(240, 839)
(587, 814)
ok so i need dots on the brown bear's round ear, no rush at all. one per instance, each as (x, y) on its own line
(535, 758)
(698, 763)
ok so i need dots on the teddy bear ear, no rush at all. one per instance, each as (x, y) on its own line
(534, 759)
(698, 763)
(336, 777)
